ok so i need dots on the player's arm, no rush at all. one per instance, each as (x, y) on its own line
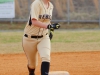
(35, 9)
(39, 23)
(44, 25)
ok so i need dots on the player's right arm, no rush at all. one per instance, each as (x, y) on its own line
(43, 25)
(35, 9)
(39, 23)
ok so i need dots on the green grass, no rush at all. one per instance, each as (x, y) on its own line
(10, 42)
(63, 40)
(76, 36)
(10, 37)
(59, 36)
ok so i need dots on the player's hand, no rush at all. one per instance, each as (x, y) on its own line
(53, 26)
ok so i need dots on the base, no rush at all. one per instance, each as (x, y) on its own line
(59, 73)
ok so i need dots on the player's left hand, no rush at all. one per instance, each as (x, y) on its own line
(53, 26)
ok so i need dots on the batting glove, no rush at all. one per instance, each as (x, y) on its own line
(53, 26)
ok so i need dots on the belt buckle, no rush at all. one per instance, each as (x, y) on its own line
(29, 36)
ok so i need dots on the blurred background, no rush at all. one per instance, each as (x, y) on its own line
(79, 32)
(65, 11)
(79, 19)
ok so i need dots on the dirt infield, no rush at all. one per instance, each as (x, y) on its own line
(76, 63)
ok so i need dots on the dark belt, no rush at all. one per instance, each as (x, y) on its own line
(34, 36)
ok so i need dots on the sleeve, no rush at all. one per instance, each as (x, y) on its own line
(35, 9)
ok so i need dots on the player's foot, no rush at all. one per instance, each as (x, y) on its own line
(31, 74)
(31, 71)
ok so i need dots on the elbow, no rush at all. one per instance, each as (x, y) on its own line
(34, 21)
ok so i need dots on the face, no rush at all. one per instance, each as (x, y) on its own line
(46, 0)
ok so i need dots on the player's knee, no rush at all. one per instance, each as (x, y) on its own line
(46, 59)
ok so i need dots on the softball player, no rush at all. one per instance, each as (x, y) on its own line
(36, 37)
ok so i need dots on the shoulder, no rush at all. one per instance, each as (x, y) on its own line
(51, 5)
(36, 3)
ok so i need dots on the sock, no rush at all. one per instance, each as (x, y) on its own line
(31, 71)
(45, 68)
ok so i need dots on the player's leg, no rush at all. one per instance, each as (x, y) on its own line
(45, 65)
(31, 71)
(44, 49)
(30, 49)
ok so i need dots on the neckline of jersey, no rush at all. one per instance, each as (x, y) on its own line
(45, 6)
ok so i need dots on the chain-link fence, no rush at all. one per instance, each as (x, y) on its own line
(64, 10)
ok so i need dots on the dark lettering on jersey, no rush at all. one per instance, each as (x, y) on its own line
(40, 16)
(45, 16)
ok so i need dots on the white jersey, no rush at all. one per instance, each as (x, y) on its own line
(40, 13)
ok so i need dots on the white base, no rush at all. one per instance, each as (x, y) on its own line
(59, 73)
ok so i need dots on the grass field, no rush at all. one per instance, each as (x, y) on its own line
(63, 41)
